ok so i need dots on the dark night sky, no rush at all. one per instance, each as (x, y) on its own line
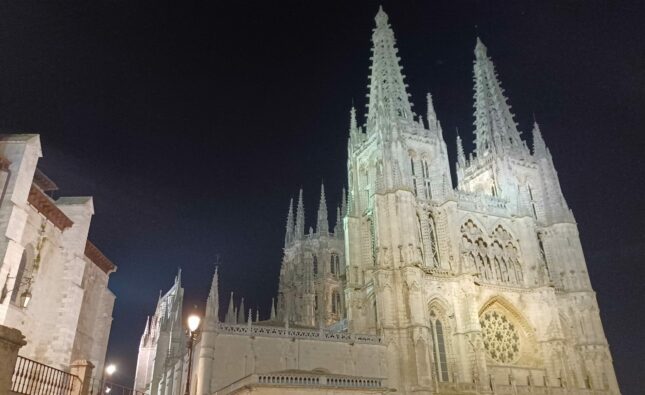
(193, 123)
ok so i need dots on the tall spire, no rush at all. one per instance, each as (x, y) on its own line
(212, 303)
(288, 237)
(461, 157)
(338, 229)
(388, 96)
(539, 146)
(300, 218)
(323, 219)
(272, 309)
(495, 129)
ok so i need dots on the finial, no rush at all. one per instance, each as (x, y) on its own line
(381, 17)
(480, 49)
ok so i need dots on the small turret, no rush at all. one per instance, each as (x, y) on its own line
(300, 218)
(288, 237)
(433, 123)
(338, 229)
(240, 317)
(323, 219)
(461, 157)
(272, 309)
(230, 312)
(539, 146)
(212, 303)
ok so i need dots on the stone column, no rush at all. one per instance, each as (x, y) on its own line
(83, 370)
(10, 342)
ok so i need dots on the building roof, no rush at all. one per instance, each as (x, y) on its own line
(96, 256)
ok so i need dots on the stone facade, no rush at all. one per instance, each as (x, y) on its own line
(53, 280)
(477, 289)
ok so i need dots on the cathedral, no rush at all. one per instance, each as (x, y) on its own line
(420, 287)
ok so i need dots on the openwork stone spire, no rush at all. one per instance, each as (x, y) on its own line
(300, 218)
(288, 237)
(323, 219)
(388, 96)
(495, 129)
(212, 303)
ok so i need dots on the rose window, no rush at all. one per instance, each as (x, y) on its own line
(501, 340)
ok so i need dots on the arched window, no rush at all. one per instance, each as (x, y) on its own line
(315, 265)
(335, 303)
(335, 263)
(439, 347)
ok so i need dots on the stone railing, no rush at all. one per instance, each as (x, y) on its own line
(537, 390)
(304, 379)
(309, 334)
(481, 202)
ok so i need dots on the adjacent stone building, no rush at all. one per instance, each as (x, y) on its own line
(53, 280)
(477, 289)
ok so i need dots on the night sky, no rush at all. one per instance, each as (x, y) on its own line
(193, 123)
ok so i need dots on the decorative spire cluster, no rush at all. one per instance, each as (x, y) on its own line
(295, 230)
(495, 129)
(388, 98)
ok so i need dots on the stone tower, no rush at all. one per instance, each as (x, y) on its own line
(472, 288)
(311, 286)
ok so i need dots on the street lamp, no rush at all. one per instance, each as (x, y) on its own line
(193, 324)
(109, 370)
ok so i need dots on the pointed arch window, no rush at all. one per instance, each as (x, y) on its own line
(439, 347)
(335, 303)
(335, 263)
(315, 265)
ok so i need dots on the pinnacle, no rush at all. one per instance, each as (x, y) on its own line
(381, 17)
(323, 220)
(480, 49)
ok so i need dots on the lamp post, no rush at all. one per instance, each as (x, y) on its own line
(109, 370)
(193, 324)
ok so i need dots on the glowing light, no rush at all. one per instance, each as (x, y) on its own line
(193, 322)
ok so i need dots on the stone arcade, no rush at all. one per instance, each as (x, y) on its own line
(421, 288)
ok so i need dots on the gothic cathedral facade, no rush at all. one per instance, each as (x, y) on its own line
(421, 288)
(485, 281)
